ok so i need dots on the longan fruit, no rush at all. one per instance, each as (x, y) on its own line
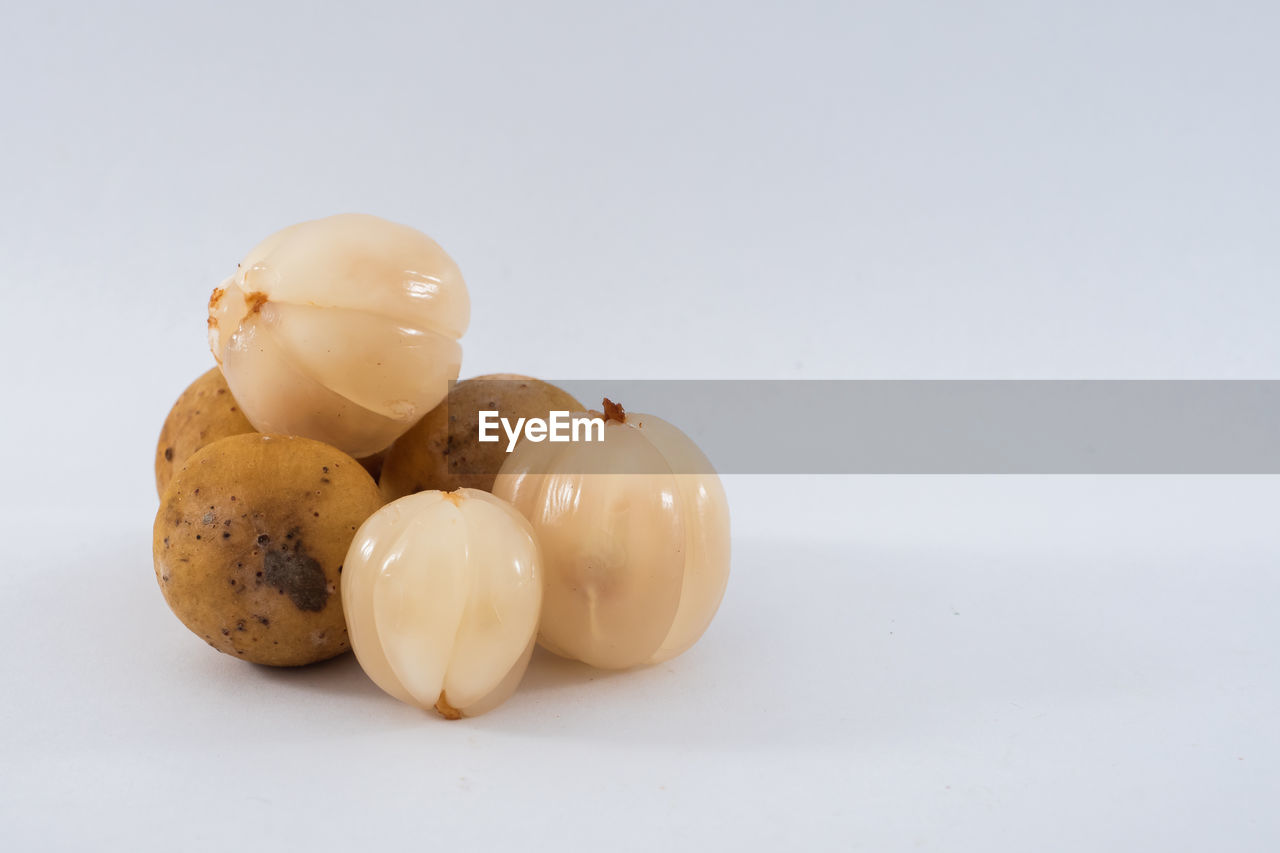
(420, 459)
(250, 540)
(373, 464)
(204, 413)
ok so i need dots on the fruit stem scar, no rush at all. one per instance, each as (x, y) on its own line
(614, 412)
(446, 710)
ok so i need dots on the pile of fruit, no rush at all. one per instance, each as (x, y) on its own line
(312, 500)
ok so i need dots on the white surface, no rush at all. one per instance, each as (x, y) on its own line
(900, 663)
(855, 190)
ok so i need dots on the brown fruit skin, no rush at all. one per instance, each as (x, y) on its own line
(204, 413)
(373, 464)
(249, 543)
(419, 459)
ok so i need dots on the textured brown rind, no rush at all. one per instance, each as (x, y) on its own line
(249, 543)
(203, 413)
(443, 450)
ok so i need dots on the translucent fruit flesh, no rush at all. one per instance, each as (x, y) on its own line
(343, 329)
(442, 593)
(635, 539)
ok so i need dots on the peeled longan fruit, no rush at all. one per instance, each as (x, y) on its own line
(250, 540)
(442, 593)
(393, 298)
(204, 413)
(634, 537)
(449, 435)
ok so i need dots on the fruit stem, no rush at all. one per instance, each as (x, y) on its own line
(614, 412)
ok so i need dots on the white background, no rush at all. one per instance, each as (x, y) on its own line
(734, 190)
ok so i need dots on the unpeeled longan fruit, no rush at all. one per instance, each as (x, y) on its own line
(249, 544)
(203, 413)
(443, 451)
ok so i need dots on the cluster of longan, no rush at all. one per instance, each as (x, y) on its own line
(308, 503)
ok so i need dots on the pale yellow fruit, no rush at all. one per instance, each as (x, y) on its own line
(441, 591)
(634, 533)
(342, 329)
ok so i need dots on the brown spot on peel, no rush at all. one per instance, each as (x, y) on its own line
(298, 575)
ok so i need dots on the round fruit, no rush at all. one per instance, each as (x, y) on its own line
(343, 329)
(204, 413)
(634, 533)
(443, 451)
(441, 592)
(249, 544)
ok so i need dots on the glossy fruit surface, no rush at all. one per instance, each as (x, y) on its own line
(442, 592)
(634, 533)
(342, 329)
